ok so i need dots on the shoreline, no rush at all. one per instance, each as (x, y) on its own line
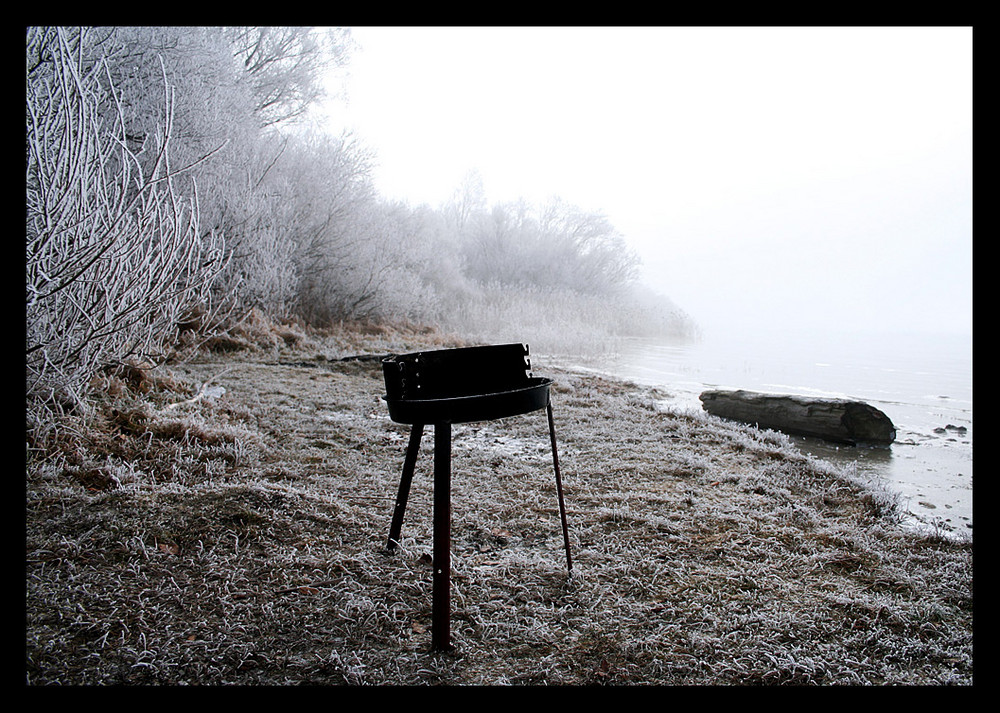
(928, 465)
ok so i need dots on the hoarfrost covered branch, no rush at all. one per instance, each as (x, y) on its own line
(114, 258)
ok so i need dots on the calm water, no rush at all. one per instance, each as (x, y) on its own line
(922, 383)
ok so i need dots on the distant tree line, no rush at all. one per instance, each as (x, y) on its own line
(173, 184)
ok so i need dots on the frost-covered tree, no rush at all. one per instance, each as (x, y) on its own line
(597, 256)
(559, 247)
(355, 255)
(236, 89)
(217, 110)
(286, 66)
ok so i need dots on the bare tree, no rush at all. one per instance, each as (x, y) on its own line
(601, 260)
(286, 66)
(114, 256)
(469, 200)
(558, 247)
(326, 214)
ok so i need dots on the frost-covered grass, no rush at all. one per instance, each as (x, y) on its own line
(248, 546)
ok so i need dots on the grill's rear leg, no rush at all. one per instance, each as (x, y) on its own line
(559, 491)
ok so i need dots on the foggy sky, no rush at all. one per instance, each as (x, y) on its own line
(799, 177)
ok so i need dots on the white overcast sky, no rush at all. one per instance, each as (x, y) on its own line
(766, 176)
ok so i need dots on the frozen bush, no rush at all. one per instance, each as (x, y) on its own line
(115, 259)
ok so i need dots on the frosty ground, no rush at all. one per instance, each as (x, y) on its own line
(224, 522)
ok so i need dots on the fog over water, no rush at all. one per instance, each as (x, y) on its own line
(803, 193)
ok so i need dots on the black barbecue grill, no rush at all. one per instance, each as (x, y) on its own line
(447, 386)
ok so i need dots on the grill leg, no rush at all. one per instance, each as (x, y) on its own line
(441, 604)
(409, 463)
(562, 505)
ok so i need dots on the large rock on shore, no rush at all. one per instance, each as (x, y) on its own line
(836, 420)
